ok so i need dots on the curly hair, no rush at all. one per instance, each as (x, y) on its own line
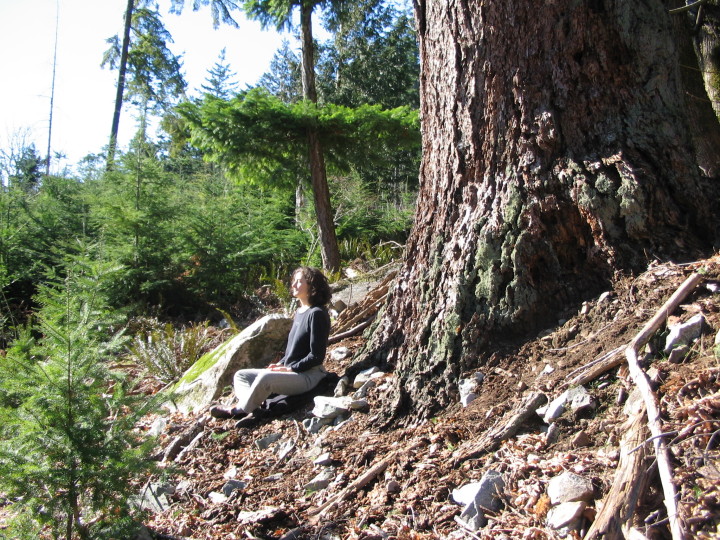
(319, 292)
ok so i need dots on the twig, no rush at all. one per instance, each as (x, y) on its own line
(686, 8)
(653, 411)
(351, 488)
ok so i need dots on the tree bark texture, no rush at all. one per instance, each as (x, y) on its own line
(555, 153)
(707, 47)
(702, 119)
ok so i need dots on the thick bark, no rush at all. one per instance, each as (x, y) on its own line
(318, 175)
(702, 119)
(120, 84)
(555, 153)
(707, 48)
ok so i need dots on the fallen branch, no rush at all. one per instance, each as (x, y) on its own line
(352, 332)
(628, 484)
(492, 439)
(616, 507)
(354, 486)
(597, 367)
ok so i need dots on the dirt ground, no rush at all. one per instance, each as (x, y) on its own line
(397, 483)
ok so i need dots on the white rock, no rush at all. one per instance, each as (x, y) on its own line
(364, 376)
(339, 353)
(569, 487)
(217, 497)
(265, 442)
(565, 514)
(321, 481)
(684, 333)
(157, 427)
(323, 459)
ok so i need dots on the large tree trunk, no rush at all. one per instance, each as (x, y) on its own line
(318, 175)
(555, 153)
(692, 39)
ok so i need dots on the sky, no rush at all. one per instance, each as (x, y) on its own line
(84, 92)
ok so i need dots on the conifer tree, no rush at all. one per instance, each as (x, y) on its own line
(67, 450)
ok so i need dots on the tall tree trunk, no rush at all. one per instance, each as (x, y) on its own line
(707, 48)
(318, 173)
(120, 84)
(52, 89)
(702, 119)
(555, 153)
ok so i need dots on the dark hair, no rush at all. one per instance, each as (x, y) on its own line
(319, 292)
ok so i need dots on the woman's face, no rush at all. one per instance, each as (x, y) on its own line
(300, 288)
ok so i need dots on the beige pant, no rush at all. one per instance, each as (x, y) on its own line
(253, 386)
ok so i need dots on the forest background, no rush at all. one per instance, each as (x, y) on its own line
(138, 251)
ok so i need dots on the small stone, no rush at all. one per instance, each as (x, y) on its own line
(393, 486)
(565, 514)
(364, 376)
(678, 354)
(339, 353)
(569, 487)
(233, 485)
(364, 389)
(580, 440)
(553, 433)
(323, 459)
(265, 442)
(321, 481)
(157, 427)
(684, 333)
(217, 497)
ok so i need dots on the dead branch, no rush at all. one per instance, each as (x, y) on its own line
(352, 332)
(653, 409)
(628, 484)
(354, 486)
(492, 439)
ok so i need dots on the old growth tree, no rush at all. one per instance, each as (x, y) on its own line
(555, 154)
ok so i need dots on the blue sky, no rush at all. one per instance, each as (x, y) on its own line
(85, 93)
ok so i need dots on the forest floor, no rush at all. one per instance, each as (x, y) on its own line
(407, 475)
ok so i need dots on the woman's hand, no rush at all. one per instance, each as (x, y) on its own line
(279, 367)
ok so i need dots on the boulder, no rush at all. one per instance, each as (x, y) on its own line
(254, 347)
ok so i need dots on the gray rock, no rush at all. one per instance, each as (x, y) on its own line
(566, 515)
(314, 425)
(153, 498)
(569, 487)
(323, 459)
(468, 388)
(321, 481)
(364, 376)
(361, 393)
(678, 354)
(339, 353)
(332, 407)
(472, 518)
(576, 399)
(254, 347)
(684, 333)
(483, 493)
(233, 485)
(265, 442)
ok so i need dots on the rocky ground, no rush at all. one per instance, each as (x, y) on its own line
(266, 481)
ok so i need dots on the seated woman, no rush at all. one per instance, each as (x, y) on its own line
(300, 370)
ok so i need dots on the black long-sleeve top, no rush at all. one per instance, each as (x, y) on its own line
(308, 339)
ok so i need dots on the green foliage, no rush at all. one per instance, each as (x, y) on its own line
(153, 72)
(166, 352)
(68, 452)
(257, 136)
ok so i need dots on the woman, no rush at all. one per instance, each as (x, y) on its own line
(300, 370)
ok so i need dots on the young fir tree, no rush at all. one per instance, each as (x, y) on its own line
(68, 452)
